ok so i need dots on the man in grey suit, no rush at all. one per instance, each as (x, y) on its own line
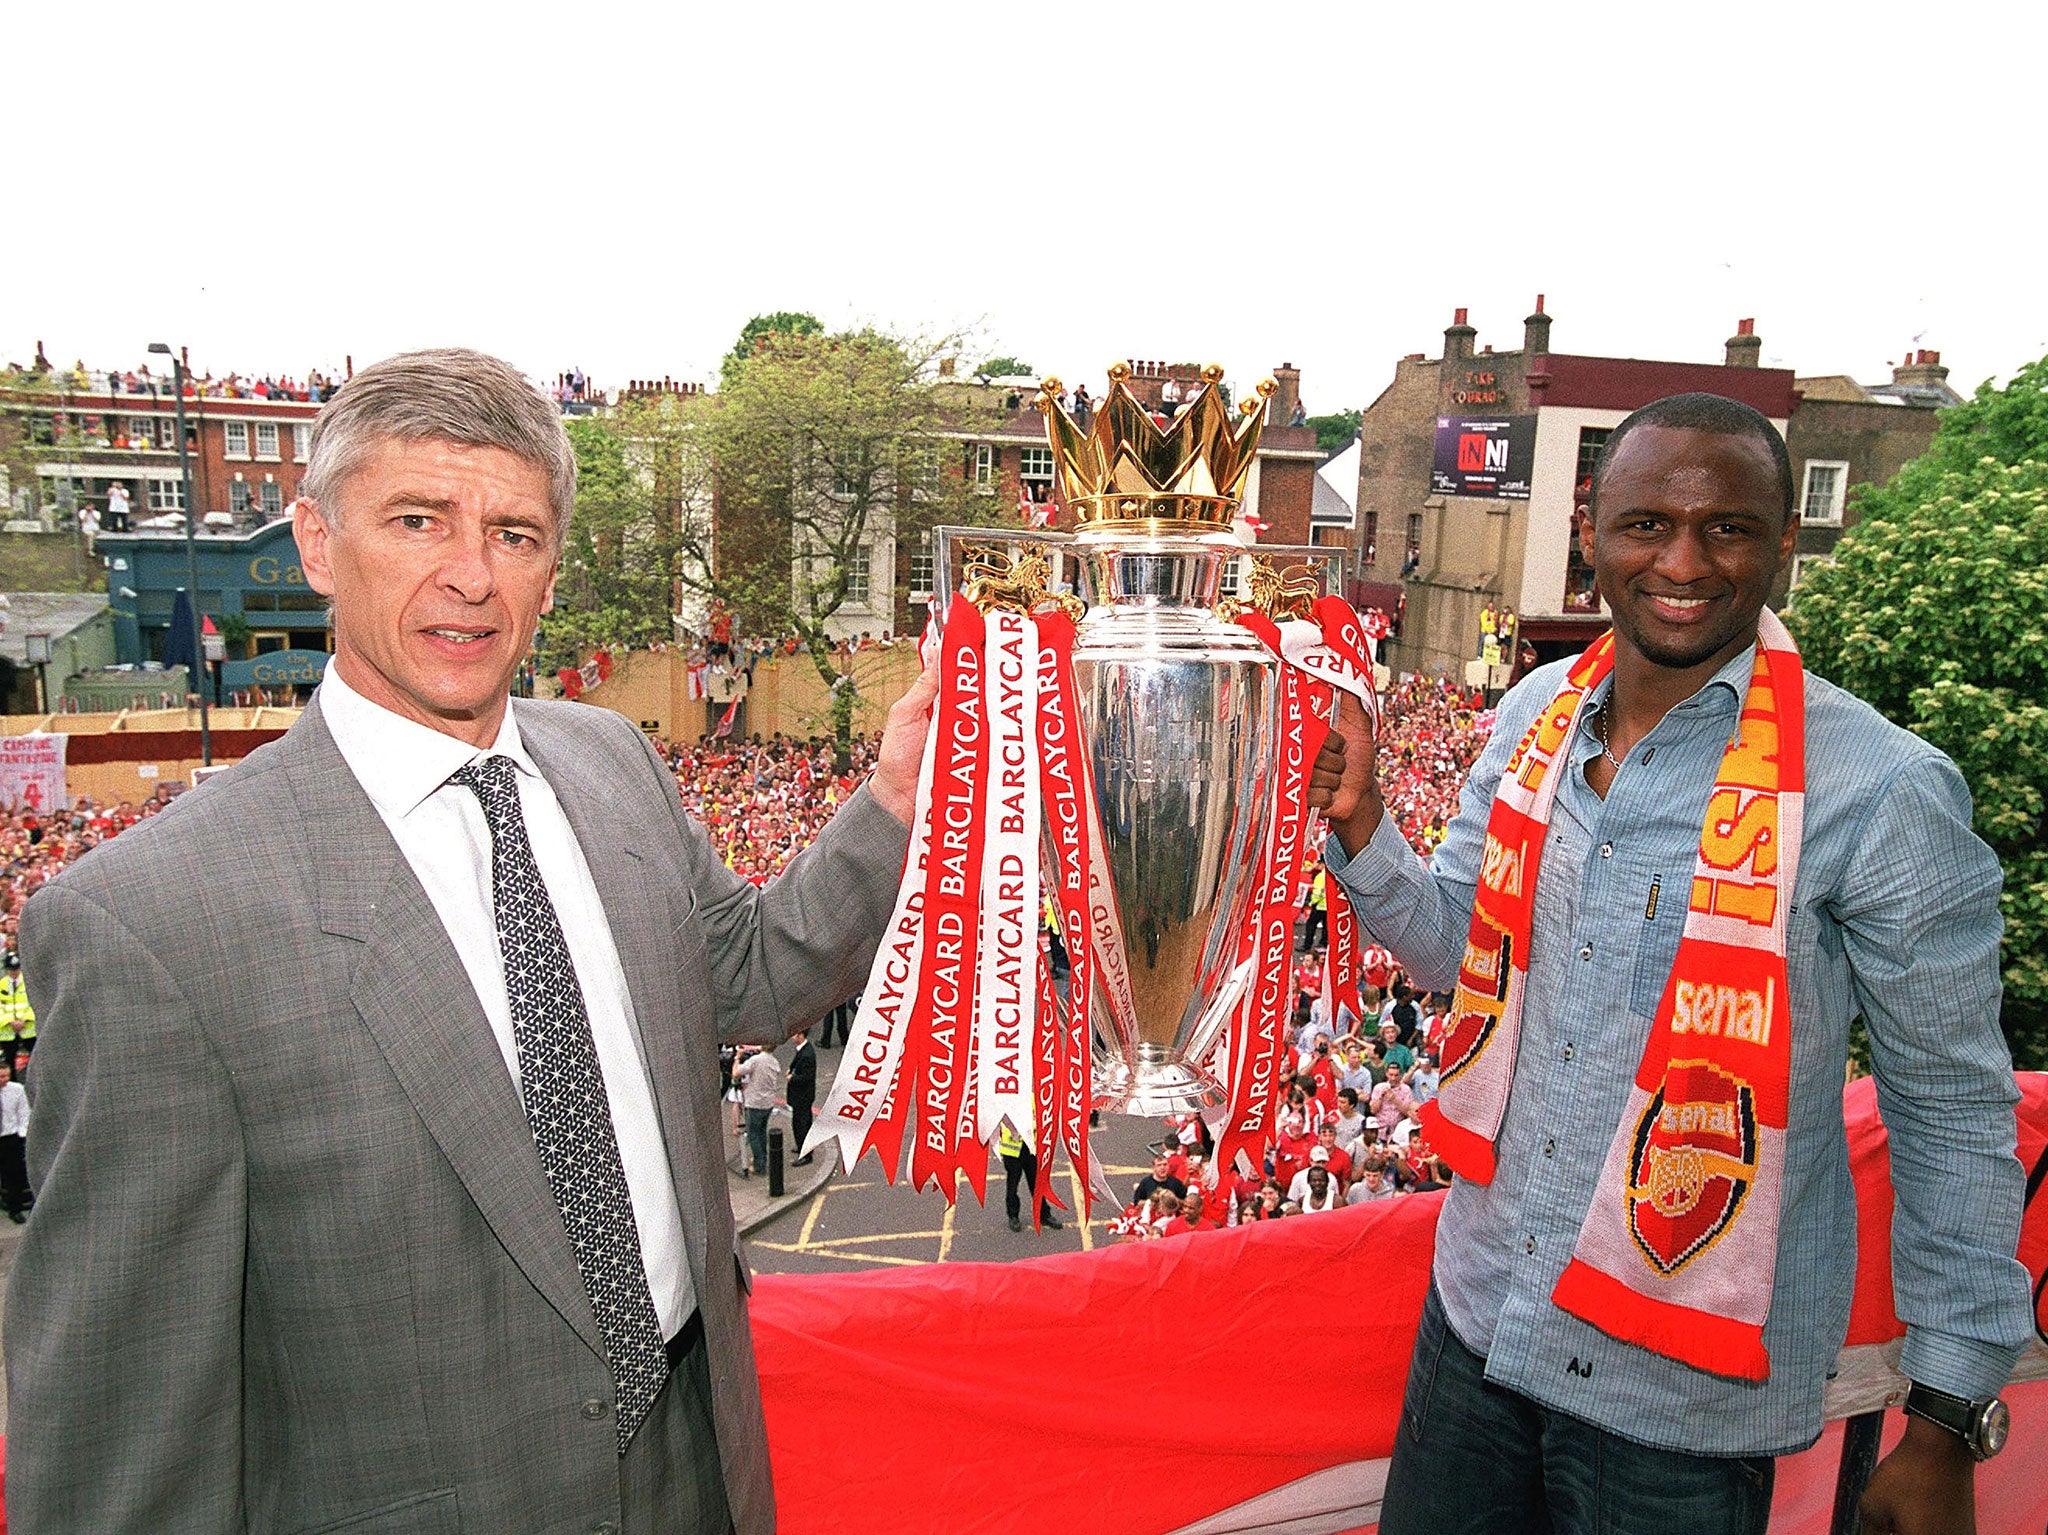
(380, 1187)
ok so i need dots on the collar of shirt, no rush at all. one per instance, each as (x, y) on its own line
(399, 762)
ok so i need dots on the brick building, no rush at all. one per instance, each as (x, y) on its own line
(77, 444)
(1845, 434)
(1446, 530)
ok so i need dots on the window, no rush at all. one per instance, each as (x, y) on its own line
(237, 439)
(921, 569)
(141, 432)
(1411, 561)
(166, 496)
(271, 495)
(1825, 482)
(302, 441)
(238, 497)
(266, 439)
(1037, 464)
(1803, 565)
(859, 569)
(1233, 579)
(1591, 440)
(922, 467)
(984, 463)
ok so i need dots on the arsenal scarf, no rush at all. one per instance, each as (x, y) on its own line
(1679, 1249)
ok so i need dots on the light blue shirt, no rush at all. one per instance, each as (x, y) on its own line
(1894, 916)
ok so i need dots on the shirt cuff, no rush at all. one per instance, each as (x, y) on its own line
(1378, 865)
(1966, 1367)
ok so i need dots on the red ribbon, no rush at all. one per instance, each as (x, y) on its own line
(1344, 954)
(1070, 819)
(935, 1066)
(1257, 1058)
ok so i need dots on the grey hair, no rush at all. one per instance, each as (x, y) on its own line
(449, 394)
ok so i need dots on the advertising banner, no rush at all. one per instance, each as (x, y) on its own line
(32, 773)
(1489, 456)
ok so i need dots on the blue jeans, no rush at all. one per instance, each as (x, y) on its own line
(757, 1137)
(1471, 1458)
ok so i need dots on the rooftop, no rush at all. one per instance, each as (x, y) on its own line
(53, 613)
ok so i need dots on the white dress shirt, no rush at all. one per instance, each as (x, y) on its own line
(13, 1109)
(404, 767)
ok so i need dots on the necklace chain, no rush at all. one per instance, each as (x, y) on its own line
(1600, 735)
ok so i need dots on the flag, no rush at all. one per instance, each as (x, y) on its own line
(727, 719)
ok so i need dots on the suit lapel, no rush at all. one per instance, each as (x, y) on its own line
(644, 933)
(417, 1002)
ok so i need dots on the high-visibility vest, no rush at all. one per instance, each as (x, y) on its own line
(1008, 1142)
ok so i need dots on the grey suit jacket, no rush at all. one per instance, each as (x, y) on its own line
(294, 1264)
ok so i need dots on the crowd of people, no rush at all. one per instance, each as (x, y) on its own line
(35, 847)
(1349, 1130)
(314, 388)
(763, 802)
(1431, 732)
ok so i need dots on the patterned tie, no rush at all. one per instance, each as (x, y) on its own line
(565, 1099)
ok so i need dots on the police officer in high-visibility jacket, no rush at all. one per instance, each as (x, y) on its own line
(12, 998)
(1020, 1161)
(17, 1034)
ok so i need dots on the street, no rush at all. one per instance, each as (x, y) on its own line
(859, 1221)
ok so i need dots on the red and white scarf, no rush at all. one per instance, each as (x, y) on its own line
(1679, 1249)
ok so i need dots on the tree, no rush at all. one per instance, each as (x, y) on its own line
(1935, 611)
(639, 475)
(824, 447)
(755, 333)
(1336, 431)
(1006, 367)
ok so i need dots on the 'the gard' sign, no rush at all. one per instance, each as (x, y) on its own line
(277, 669)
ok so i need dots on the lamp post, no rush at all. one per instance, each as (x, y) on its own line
(38, 656)
(191, 547)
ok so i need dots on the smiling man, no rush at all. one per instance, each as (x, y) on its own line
(1680, 869)
(381, 1186)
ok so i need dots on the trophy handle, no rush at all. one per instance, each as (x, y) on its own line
(952, 541)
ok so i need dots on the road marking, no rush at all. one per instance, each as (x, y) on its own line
(811, 1218)
(825, 1243)
(839, 1257)
(946, 1225)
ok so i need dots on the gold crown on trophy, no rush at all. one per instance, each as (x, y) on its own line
(1127, 470)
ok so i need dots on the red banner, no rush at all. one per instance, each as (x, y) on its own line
(1079, 1351)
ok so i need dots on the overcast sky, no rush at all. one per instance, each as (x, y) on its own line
(621, 187)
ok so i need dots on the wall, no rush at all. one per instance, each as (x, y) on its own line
(1874, 440)
(155, 748)
(787, 694)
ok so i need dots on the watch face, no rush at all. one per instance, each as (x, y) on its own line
(1992, 1428)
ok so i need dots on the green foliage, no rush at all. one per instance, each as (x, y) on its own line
(1935, 611)
(822, 445)
(754, 334)
(618, 575)
(1006, 367)
(1336, 431)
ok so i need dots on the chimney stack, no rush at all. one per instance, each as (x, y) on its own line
(1287, 396)
(1536, 331)
(1745, 346)
(945, 367)
(1920, 367)
(1458, 338)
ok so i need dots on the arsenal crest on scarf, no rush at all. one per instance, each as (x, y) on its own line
(1142, 758)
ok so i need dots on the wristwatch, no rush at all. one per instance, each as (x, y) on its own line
(1982, 1426)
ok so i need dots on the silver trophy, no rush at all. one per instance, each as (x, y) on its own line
(1178, 708)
